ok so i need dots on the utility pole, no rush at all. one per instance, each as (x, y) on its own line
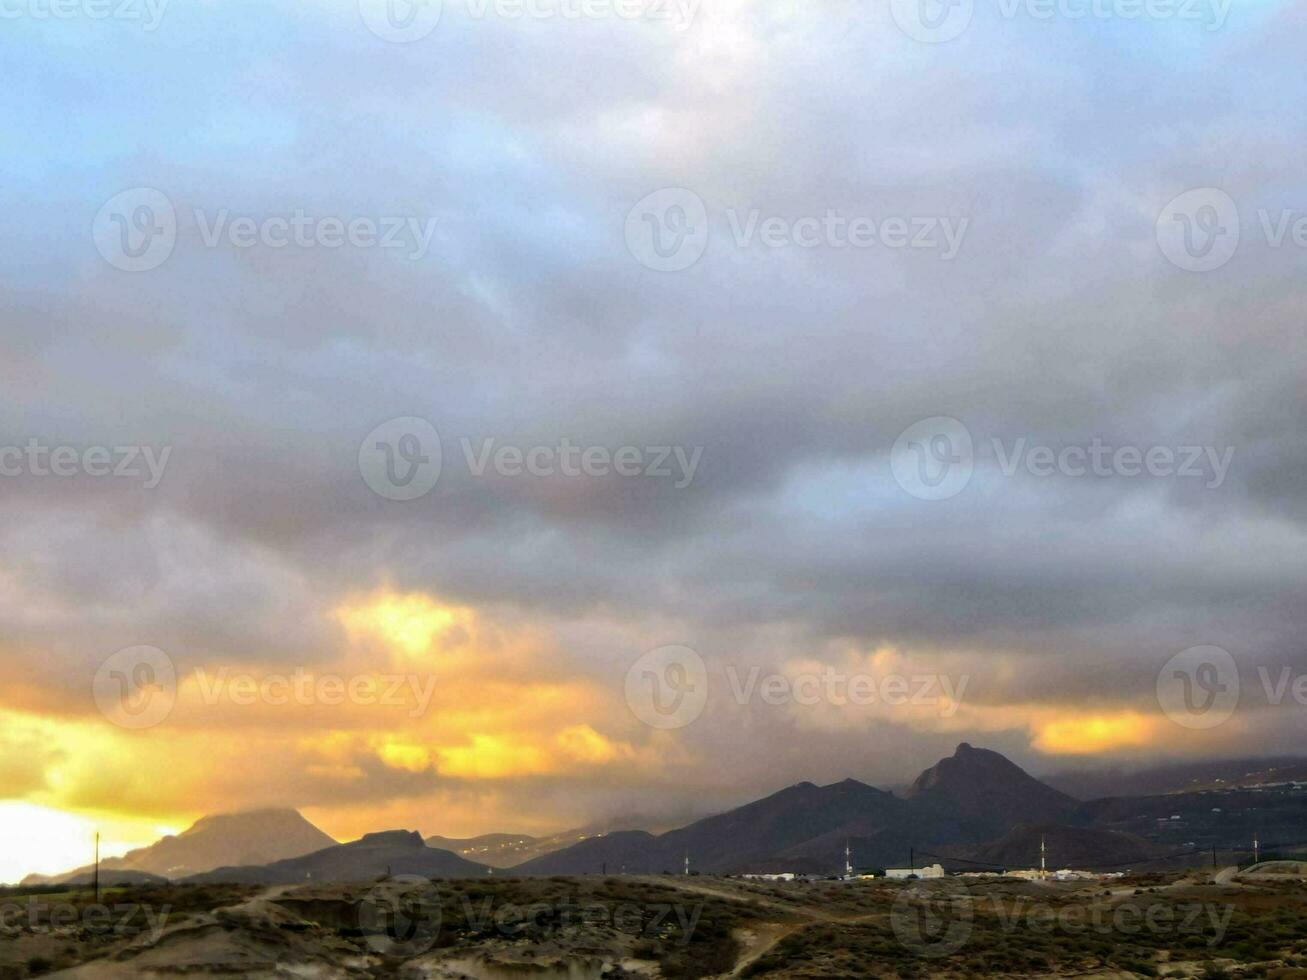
(1213, 855)
(687, 862)
(848, 861)
(912, 861)
(1257, 849)
(97, 867)
(1043, 858)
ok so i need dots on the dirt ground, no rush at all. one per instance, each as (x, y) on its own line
(682, 928)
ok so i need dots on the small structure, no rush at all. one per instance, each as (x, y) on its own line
(929, 871)
(779, 876)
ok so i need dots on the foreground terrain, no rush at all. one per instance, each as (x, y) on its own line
(1229, 923)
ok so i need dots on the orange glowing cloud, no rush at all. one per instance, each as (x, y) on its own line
(1096, 733)
(409, 624)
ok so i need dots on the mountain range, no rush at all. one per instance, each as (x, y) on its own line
(971, 797)
(510, 850)
(390, 852)
(974, 808)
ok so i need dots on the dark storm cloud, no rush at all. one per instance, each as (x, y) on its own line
(529, 322)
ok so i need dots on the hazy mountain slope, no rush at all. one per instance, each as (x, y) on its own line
(630, 851)
(393, 852)
(1068, 847)
(1187, 777)
(750, 838)
(496, 850)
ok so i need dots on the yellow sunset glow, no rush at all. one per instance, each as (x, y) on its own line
(409, 622)
(55, 840)
(1090, 734)
(481, 704)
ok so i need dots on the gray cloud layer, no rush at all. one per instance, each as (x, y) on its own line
(794, 369)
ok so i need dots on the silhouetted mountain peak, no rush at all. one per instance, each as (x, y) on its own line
(850, 784)
(988, 791)
(391, 838)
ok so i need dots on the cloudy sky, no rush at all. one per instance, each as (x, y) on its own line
(916, 373)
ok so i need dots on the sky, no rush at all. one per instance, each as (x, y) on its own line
(500, 416)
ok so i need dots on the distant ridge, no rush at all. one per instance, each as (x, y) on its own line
(390, 852)
(1179, 777)
(972, 797)
(804, 824)
(509, 850)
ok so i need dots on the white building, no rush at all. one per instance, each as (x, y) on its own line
(930, 871)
